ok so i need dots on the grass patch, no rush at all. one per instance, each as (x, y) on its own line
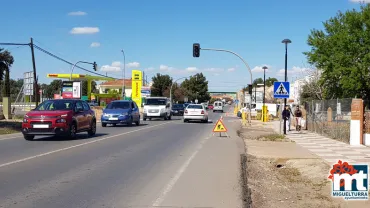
(9, 127)
(272, 137)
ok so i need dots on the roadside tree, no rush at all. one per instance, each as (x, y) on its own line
(161, 83)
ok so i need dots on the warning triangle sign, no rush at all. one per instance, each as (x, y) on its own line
(219, 127)
(281, 90)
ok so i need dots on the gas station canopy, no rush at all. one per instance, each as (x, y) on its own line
(79, 76)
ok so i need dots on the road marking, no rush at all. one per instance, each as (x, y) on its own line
(10, 138)
(78, 145)
(177, 176)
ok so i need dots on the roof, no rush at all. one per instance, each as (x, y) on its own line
(118, 82)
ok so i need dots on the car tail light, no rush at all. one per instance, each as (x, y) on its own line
(202, 112)
(186, 111)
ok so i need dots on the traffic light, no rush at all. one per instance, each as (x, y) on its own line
(250, 89)
(196, 50)
(95, 66)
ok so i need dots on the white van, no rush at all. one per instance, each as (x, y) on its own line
(157, 107)
(218, 106)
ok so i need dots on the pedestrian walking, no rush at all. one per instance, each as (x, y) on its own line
(286, 116)
(298, 117)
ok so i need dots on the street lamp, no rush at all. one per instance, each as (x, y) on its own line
(264, 93)
(124, 75)
(74, 65)
(286, 42)
(172, 86)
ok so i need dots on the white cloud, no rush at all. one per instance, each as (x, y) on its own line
(165, 68)
(295, 70)
(79, 13)
(133, 65)
(231, 69)
(95, 45)
(360, 1)
(114, 67)
(213, 69)
(259, 69)
(84, 30)
(191, 69)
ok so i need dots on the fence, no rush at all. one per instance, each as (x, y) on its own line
(330, 118)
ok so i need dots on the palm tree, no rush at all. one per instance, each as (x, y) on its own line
(6, 61)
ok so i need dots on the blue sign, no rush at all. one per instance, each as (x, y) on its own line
(236, 101)
(281, 89)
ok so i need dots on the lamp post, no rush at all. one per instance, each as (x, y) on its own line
(124, 75)
(74, 65)
(172, 86)
(286, 42)
(264, 93)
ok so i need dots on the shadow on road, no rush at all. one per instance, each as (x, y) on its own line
(125, 125)
(63, 138)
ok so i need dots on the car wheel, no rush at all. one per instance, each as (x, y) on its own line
(103, 124)
(185, 120)
(72, 131)
(114, 124)
(92, 130)
(150, 119)
(169, 118)
(144, 119)
(137, 122)
(213, 110)
(130, 122)
(165, 117)
(29, 137)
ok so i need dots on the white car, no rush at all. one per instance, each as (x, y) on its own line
(218, 106)
(196, 112)
(157, 107)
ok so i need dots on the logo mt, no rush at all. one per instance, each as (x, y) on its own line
(350, 182)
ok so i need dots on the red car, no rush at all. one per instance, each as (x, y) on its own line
(65, 117)
(210, 106)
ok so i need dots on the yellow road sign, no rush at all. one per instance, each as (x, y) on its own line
(219, 127)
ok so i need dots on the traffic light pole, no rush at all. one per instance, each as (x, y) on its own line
(245, 63)
(74, 65)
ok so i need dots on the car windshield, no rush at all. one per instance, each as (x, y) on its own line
(118, 105)
(195, 106)
(155, 102)
(53, 105)
(178, 106)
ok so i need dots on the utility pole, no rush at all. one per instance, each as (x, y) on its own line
(264, 110)
(35, 86)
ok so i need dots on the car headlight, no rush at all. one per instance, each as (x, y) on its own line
(105, 115)
(25, 120)
(62, 120)
(124, 114)
(162, 110)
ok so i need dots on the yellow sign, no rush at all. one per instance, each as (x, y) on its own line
(137, 82)
(219, 127)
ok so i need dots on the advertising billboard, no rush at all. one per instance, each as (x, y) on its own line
(137, 81)
(71, 89)
(145, 92)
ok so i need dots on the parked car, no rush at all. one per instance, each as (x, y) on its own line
(121, 112)
(59, 117)
(157, 107)
(178, 109)
(196, 112)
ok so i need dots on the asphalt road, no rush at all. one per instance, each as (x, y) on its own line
(151, 165)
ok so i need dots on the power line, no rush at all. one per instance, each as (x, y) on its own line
(65, 61)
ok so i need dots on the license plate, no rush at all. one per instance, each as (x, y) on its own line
(113, 119)
(40, 126)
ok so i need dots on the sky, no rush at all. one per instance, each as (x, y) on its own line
(157, 36)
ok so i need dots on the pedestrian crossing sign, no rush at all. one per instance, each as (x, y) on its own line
(281, 89)
(220, 127)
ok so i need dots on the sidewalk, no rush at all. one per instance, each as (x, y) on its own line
(328, 149)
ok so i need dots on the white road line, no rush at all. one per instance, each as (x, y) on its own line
(177, 176)
(78, 145)
(10, 138)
